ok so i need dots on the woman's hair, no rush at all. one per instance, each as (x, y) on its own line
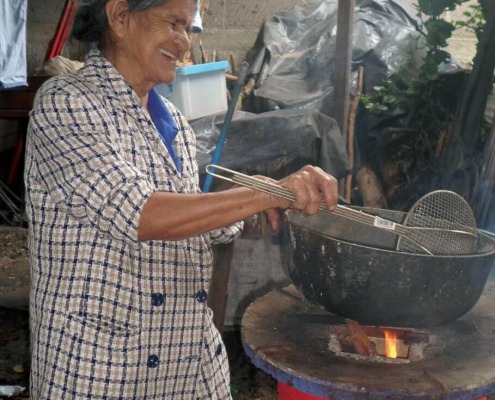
(91, 23)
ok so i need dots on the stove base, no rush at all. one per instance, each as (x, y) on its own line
(287, 337)
(286, 392)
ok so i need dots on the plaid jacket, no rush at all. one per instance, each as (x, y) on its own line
(112, 318)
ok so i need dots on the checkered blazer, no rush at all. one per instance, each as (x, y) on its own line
(113, 318)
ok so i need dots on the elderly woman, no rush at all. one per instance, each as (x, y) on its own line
(119, 231)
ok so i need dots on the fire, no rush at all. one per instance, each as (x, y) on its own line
(390, 343)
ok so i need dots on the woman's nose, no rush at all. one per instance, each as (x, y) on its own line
(182, 41)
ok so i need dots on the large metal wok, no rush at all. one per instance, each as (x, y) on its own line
(354, 271)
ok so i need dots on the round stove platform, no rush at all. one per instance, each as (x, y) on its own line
(288, 337)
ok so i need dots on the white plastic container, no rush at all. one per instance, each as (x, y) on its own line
(198, 90)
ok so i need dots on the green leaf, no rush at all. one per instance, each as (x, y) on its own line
(438, 32)
(436, 7)
(440, 56)
(389, 99)
(429, 69)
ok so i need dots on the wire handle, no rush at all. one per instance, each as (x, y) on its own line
(226, 123)
(277, 190)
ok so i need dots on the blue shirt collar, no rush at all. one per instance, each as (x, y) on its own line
(164, 123)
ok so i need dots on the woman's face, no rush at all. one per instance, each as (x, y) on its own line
(153, 42)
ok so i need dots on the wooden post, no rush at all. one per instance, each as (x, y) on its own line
(343, 56)
(342, 75)
(350, 133)
(219, 283)
(485, 192)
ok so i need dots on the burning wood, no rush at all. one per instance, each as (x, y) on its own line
(359, 339)
(378, 344)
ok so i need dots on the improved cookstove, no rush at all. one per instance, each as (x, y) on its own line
(303, 346)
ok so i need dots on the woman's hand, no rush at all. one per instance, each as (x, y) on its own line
(310, 186)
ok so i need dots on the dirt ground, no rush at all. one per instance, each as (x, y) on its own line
(247, 381)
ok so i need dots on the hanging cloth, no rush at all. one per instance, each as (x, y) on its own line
(13, 64)
(164, 123)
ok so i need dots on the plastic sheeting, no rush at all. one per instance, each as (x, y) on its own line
(294, 56)
(273, 143)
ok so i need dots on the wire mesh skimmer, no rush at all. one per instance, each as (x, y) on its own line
(439, 223)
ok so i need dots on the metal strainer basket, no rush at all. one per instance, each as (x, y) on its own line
(446, 224)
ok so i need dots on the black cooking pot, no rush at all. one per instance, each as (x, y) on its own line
(353, 271)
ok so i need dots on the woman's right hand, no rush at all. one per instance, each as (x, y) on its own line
(310, 186)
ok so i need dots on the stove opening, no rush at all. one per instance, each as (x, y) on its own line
(377, 344)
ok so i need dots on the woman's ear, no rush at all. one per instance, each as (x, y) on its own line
(118, 15)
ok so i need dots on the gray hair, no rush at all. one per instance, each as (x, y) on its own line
(91, 23)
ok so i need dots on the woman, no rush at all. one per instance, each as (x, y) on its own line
(120, 232)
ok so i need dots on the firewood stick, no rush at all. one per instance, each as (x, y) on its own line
(362, 343)
(350, 133)
(234, 64)
(204, 57)
(205, 4)
(442, 139)
(370, 187)
(188, 56)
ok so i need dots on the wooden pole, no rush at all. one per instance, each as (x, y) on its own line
(350, 135)
(343, 55)
(342, 75)
(218, 292)
(484, 195)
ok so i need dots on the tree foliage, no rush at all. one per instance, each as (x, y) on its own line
(431, 153)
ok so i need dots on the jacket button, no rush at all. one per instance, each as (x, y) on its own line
(219, 350)
(157, 299)
(153, 361)
(201, 296)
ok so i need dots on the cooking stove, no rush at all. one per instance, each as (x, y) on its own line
(296, 342)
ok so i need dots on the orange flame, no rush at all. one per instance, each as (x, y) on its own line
(390, 343)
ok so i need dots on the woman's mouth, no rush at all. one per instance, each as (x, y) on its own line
(168, 55)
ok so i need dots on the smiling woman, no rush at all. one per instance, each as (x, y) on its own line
(120, 234)
(143, 40)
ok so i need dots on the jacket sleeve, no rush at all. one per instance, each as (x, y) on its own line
(74, 145)
(228, 234)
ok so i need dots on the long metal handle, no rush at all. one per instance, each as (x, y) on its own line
(271, 188)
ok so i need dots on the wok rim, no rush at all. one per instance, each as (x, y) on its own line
(486, 234)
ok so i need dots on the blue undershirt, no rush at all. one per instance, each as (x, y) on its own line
(164, 123)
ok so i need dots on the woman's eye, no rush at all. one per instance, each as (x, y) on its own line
(172, 24)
